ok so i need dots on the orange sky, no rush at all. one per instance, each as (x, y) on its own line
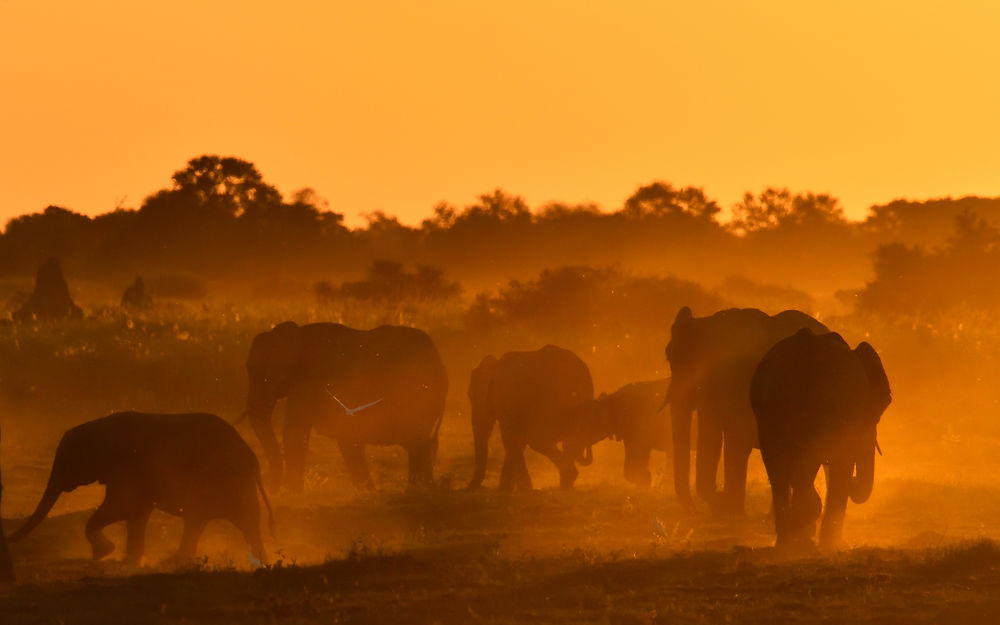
(398, 105)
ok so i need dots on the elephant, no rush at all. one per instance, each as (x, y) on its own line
(194, 465)
(6, 568)
(818, 402)
(540, 399)
(633, 415)
(384, 386)
(711, 361)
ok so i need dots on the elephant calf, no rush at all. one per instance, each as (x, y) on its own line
(540, 399)
(195, 466)
(818, 402)
(633, 415)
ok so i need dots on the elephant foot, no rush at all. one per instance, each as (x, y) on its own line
(101, 547)
(796, 547)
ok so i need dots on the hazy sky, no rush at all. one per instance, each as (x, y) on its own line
(395, 106)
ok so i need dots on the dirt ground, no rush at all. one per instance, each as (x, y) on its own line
(919, 551)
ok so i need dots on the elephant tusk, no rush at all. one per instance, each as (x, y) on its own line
(350, 411)
(879, 449)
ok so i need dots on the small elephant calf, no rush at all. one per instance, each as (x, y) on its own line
(195, 466)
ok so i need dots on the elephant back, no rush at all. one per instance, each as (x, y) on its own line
(808, 379)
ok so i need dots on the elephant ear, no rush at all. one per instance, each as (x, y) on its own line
(878, 382)
(277, 354)
(680, 329)
(683, 317)
(481, 377)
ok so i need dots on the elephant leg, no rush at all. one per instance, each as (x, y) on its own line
(272, 452)
(563, 461)
(514, 474)
(837, 488)
(194, 525)
(481, 432)
(295, 439)
(357, 466)
(734, 490)
(778, 467)
(680, 428)
(421, 460)
(806, 504)
(135, 543)
(246, 517)
(113, 509)
(781, 491)
(707, 460)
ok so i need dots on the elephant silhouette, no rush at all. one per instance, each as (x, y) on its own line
(195, 466)
(818, 403)
(632, 414)
(384, 386)
(541, 399)
(711, 362)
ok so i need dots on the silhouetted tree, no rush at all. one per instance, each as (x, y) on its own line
(910, 279)
(778, 208)
(660, 199)
(584, 299)
(926, 222)
(389, 283)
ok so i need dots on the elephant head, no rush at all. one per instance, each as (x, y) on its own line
(878, 399)
(83, 457)
(273, 365)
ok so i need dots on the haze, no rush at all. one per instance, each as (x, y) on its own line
(396, 106)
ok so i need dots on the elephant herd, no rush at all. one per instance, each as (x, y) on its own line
(782, 383)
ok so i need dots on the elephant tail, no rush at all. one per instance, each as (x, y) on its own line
(267, 504)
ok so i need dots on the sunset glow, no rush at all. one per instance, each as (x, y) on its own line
(396, 106)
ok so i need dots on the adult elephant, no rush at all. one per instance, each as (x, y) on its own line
(541, 399)
(385, 386)
(711, 361)
(818, 402)
(6, 568)
(195, 466)
(632, 414)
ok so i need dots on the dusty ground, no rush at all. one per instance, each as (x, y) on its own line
(919, 551)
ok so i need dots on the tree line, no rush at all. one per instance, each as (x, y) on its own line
(220, 220)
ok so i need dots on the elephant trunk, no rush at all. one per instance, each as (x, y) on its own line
(864, 478)
(482, 428)
(258, 411)
(680, 423)
(49, 497)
